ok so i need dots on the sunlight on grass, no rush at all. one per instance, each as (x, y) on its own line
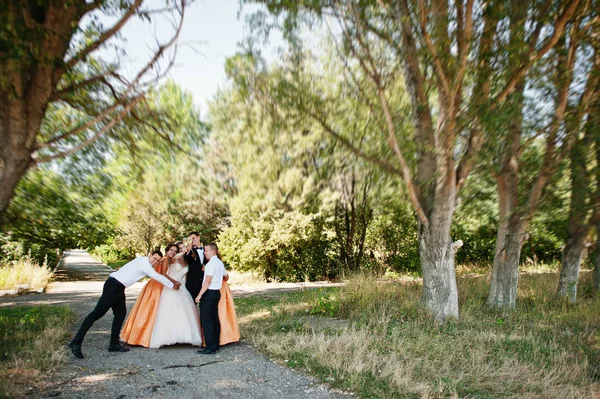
(245, 278)
(391, 347)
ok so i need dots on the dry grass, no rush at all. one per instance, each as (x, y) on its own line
(390, 347)
(245, 278)
(24, 271)
(31, 342)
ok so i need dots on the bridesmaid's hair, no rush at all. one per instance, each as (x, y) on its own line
(171, 246)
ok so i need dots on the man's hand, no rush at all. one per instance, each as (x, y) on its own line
(197, 300)
(176, 285)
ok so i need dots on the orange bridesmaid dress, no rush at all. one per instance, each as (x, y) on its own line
(140, 322)
(230, 331)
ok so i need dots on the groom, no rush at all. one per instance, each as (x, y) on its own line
(195, 259)
(113, 297)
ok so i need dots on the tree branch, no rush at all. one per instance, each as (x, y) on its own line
(559, 28)
(105, 36)
(437, 62)
(464, 44)
(346, 143)
(101, 116)
(92, 139)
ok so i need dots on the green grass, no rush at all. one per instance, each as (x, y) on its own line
(31, 342)
(375, 339)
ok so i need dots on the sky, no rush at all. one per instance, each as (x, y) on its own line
(211, 32)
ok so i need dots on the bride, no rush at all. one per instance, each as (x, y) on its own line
(177, 320)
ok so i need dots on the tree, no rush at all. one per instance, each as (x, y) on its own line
(519, 193)
(584, 210)
(446, 51)
(48, 60)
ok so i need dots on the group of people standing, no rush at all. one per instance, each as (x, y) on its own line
(169, 316)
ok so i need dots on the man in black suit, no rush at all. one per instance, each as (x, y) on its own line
(195, 259)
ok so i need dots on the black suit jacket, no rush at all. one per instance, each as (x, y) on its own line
(195, 273)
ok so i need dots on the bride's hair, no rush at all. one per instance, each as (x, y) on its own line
(171, 246)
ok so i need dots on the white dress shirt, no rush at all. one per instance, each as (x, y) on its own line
(135, 270)
(200, 252)
(216, 269)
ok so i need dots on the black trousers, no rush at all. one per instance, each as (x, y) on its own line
(209, 317)
(113, 297)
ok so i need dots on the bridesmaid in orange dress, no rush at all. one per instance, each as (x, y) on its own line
(230, 331)
(140, 322)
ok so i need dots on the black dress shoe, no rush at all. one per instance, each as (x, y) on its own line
(117, 348)
(76, 349)
(206, 351)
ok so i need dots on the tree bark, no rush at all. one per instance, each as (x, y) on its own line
(579, 220)
(505, 270)
(440, 293)
(597, 262)
(569, 273)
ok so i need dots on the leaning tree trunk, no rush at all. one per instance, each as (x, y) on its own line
(15, 147)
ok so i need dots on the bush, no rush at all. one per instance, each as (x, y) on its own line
(108, 254)
(24, 271)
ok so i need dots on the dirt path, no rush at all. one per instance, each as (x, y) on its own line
(237, 371)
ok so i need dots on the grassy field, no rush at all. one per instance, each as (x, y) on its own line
(31, 342)
(373, 338)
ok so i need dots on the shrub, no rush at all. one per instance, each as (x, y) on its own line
(24, 271)
(108, 254)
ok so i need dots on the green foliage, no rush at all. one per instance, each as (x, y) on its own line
(326, 305)
(49, 215)
(108, 254)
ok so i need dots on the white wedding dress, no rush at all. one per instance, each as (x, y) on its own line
(177, 320)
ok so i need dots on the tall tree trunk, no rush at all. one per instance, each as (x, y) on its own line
(440, 294)
(579, 218)
(571, 261)
(505, 270)
(597, 262)
(509, 240)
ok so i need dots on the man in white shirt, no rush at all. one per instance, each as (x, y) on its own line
(209, 296)
(113, 297)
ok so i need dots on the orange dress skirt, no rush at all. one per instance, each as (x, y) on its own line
(140, 322)
(230, 331)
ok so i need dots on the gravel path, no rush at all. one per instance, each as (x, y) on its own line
(237, 371)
